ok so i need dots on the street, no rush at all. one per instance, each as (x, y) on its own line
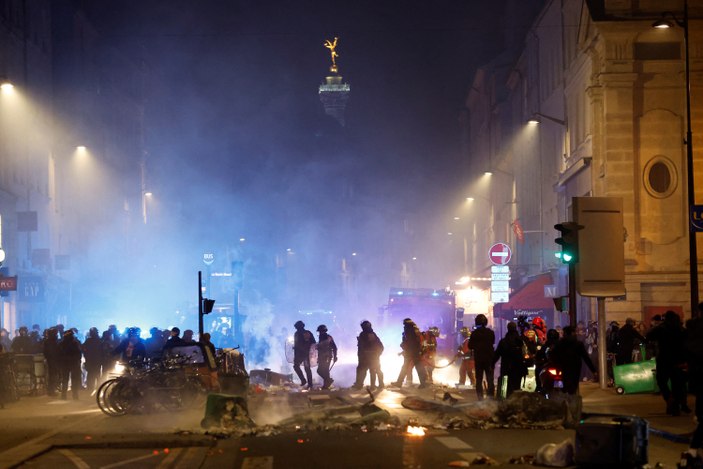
(43, 432)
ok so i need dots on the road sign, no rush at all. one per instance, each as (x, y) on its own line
(8, 283)
(500, 254)
(697, 218)
(550, 291)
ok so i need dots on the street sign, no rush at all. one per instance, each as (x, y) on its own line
(697, 218)
(208, 258)
(500, 297)
(550, 291)
(500, 254)
(8, 283)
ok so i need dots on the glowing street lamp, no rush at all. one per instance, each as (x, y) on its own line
(665, 23)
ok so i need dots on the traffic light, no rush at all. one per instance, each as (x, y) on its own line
(208, 304)
(569, 241)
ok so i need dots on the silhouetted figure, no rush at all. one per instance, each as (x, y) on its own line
(568, 355)
(302, 342)
(628, 339)
(326, 355)
(70, 356)
(93, 354)
(412, 349)
(52, 355)
(670, 361)
(509, 352)
(481, 343)
(369, 350)
(693, 346)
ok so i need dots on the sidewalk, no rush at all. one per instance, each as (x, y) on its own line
(651, 407)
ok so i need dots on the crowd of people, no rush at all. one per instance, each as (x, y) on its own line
(78, 363)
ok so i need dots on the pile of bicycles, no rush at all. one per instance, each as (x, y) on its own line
(169, 383)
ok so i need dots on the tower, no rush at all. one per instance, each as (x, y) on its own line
(334, 93)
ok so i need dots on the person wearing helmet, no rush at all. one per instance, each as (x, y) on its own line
(93, 354)
(70, 358)
(412, 348)
(481, 345)
(512, 364)
(540, 328)
(326, 354)
(466, 369)
(22, 343)
(132, 349)
(429, 350)
(369, 353)
(303, 341)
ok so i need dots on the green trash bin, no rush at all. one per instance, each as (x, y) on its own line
(638, 377)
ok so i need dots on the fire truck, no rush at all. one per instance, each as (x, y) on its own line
(427, 307)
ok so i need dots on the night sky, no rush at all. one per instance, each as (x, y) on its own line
(239, 144)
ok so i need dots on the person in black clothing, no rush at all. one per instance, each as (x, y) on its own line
(370, 348)
(670, 361)
(93, 354)
(155, 343)
(509, 352)
(70, 356)
(131, 349)
(481, 343)
(326, 355)
(174, 341)
(52, 355)
(693, 346)
(303, 341)
(412, 351)
(542, 358)
(23, 344)
(568, 355)
(628, 338)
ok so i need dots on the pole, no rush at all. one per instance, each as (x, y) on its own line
(692, 244)
(200, 304)
(572, 294)
(602, 352)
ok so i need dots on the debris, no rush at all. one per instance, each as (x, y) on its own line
(524, 459)
(554, 455)
(459, 464)
(449, 398)
(482, 460)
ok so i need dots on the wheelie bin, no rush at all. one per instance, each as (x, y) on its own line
(638, 377)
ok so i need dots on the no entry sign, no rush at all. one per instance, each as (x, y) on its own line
(499, 254)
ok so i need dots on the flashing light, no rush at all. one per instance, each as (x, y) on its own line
(434, 293)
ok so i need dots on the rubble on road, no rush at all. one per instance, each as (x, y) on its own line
(520, 410)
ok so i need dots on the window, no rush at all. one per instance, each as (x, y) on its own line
(660, 177)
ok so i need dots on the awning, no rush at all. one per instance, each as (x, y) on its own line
(527, 300)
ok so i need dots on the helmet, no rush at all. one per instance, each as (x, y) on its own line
(133, 332)
(434, 330)
(24, 330)
(465, 331)
(321, 328)
(299, 324)
(408, 321)
(538, 322)
(481, 320)
(366, 325)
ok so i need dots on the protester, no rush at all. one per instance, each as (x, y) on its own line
(568, 355)
(693, 346)
(628, 339)
(510, 354)
(670, 361)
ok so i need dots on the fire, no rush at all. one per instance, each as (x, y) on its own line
(415, 431)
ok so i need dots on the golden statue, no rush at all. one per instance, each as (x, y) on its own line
(332, 45)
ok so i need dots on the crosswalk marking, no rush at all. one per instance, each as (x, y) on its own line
(258, 462)
(193, 457)
(74, 458)
(453, 442)
(128, 462)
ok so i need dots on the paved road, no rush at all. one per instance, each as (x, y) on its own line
(43, 432)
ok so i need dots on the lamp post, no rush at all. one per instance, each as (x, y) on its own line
(664, 23)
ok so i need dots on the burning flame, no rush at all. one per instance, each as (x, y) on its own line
(415, 431)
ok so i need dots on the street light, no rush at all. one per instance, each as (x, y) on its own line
(665, 23)
(6, 85)
(537, 117)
